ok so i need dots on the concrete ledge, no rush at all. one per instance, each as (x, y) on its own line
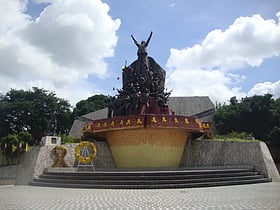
(40, 158)
(226, 153)
(8, 172)
(271, 169)
(7, 182)
(26, 170)
(197, 153)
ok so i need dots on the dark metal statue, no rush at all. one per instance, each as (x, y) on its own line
(142, 47)
(143, 86)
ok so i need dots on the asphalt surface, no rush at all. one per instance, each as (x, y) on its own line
(253, 196)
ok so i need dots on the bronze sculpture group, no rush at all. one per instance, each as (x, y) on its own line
(143, 86)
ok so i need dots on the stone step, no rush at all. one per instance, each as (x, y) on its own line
(141, 177)
(152, 186)
(156, 172)
(150, 179)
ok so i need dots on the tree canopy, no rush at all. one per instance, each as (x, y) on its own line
(91, 104)
(257, 115)
(37, 111)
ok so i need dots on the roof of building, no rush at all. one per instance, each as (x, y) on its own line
(190, 106)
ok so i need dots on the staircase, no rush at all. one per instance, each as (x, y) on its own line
(152, 179)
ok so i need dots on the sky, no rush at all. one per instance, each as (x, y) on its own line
(76, 48)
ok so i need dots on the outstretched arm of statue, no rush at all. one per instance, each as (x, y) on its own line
(137, 44)
(148, 40)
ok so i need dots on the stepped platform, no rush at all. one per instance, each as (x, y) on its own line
(150, 179)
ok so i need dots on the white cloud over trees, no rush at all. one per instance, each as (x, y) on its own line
(266, 87)
(71, 39)
(65, 44)
(211, 64)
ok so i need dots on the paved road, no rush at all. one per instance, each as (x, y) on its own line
(254, 196)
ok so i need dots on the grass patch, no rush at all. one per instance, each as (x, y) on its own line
(236, 137)
(69, 139)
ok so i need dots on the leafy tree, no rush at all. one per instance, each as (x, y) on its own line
(25, 137)
(92, 104)
(37, 111)
(14, 144)
(7, 144)
(274, 135)
(256, 115)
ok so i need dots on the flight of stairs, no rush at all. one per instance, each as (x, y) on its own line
(150, 179)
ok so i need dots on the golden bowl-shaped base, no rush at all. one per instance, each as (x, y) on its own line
(147, 147)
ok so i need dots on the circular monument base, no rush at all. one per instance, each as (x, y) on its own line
(147, 147)
(141, 141)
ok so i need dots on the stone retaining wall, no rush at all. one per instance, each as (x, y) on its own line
(16, 158)
(41, 157)
(45, 159)
(199, 153)
(8, 172)
(226, 153)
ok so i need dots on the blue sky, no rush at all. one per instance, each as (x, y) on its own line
(219, 48)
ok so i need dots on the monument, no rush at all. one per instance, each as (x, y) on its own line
(140, 128)
(143, 137)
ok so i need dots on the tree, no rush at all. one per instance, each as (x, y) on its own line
(8, 144)
(256, 115)
(37, 111)
(274, 135)
(92, 104)
(14, 144)
(25, 137)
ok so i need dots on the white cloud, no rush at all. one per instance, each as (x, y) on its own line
(61, 48)
(266, 87)
(247, 41)
(214, 84)
(205, 69)
(12, 16)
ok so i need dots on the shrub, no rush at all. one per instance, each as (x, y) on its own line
(70, 139)
(236, 136)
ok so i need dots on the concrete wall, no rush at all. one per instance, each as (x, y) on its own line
(197, 153)
(8, 172)
(230, 153)
(41, 157)
(26, 170)
(16, 158)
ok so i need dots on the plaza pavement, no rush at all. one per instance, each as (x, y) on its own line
(254, 196)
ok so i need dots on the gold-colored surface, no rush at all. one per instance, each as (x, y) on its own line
(91, 155)
(149, 147)
(59, 152)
